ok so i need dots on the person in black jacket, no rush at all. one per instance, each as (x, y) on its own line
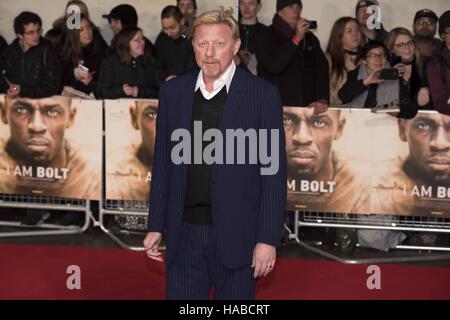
(364, 89)
(84, 47)
(173, 48)
(3, 46)
(127, 73)
(31, 67)
(249, 27)
(290, 56)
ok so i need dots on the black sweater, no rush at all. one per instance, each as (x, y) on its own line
(354, 87)
(198, 189)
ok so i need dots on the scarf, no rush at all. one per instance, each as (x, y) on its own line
(282, 27)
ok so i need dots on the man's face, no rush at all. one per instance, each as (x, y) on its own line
(31, 35)
(214, 48)
(291, 14)
(425, 27)
(363, 15)
(428, 137)
(249, 8)
(309, 139)
(446, 37)
(187, 8)
(38, 126)
(116, 25)
(172, 27)
(143, 118)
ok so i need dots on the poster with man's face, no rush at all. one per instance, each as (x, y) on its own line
(130, 140)
(355, 161)
(51, 147)
(325, 161)
(414, 179)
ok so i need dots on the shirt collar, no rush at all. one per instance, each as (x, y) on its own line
(224, 79)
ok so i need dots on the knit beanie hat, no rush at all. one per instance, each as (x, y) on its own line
(281, 4)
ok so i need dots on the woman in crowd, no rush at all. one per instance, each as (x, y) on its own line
(364, 89)
(82, 52)
(127, 73)
(438, 70)
(342, 52)
(407, 59)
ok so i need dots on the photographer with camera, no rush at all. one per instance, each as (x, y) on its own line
(289, 55)
(374, 84)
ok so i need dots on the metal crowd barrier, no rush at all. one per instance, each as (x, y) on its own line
(374, 222)
(133, 212)
(45, 203)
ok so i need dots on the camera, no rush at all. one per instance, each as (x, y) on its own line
(312, 24)
(389, 74)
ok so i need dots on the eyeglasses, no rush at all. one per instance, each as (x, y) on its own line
(427, 21)
(30, 33)
(403, 45)
(374, 56)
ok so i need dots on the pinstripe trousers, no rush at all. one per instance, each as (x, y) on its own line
(197, 268)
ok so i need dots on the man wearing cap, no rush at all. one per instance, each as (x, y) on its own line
(125, 15)
(362, 15)
(289, 55)
(425, 27)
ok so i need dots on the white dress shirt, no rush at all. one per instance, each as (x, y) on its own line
(224, 80)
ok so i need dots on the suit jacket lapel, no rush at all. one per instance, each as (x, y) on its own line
(232, 104)
(186, 107)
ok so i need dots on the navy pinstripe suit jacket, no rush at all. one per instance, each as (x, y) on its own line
(248, 207)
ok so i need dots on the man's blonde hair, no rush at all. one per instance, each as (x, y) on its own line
(218, 16)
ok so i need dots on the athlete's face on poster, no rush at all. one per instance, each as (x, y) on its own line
(38, 126)
(309, 139)
(428, 136)
(143, 118)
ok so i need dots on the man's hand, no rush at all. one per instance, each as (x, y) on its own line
(373, 78)
(320, 106)
(245, 56)
(401, 70)
(13, 90)
(172, 76)
(423, 98)
(86, 78)
(302, 29)
(135, 91)
(264, 257)
(151, 244)
(127, 89)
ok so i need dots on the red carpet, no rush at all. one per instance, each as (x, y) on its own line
(39, 272)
